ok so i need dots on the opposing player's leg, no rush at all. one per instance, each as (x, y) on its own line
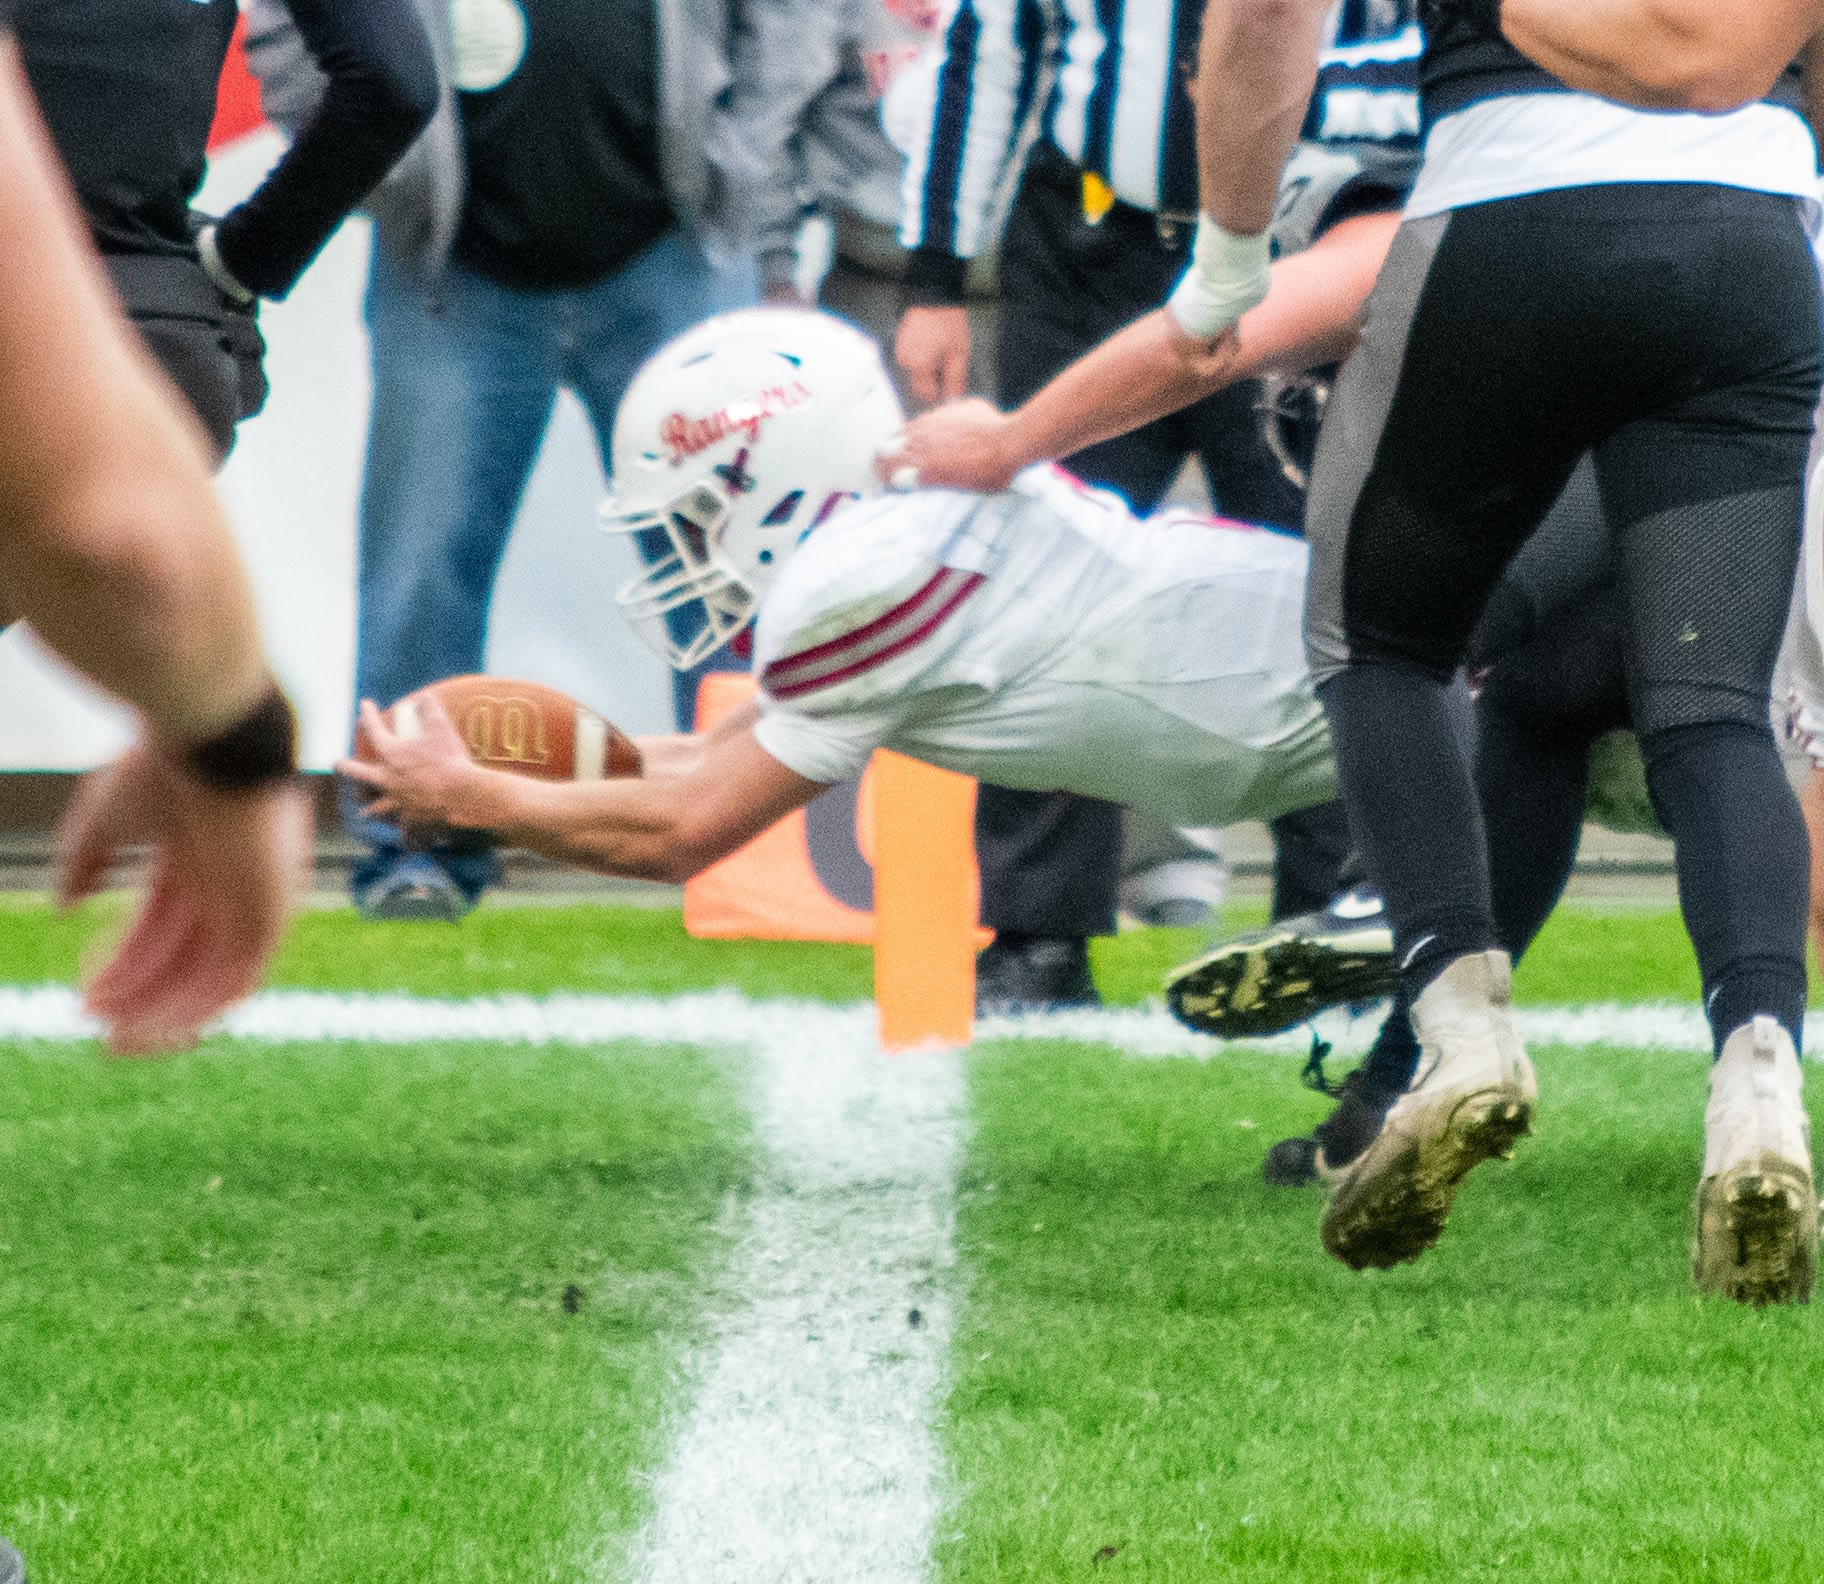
(1421, 468)
(1707, 502)
(1539, 710)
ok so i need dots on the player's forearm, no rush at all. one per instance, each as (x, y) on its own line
(1663, 54)
(1256, 68)
(629, 827)
(1131, 379)
(114, 545)
(128, 574)
(1310, 317)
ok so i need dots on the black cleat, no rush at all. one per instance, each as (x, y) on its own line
(1291, 1163)
(1033, 973)
(1275, 978)
(1361, 1108)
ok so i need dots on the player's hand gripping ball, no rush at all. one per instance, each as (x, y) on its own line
(425, 759)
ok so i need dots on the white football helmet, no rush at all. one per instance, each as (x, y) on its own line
(732, 443)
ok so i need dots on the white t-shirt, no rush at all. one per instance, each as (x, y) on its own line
(1539, 142)
(1046, 638)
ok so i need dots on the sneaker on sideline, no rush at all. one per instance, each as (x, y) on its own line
(1033, 973)
(416, 889)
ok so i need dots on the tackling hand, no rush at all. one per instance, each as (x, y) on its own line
(961, 445)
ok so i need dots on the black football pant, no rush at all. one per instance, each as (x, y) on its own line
(209, 347)
(1672, 332)
(1051, 861)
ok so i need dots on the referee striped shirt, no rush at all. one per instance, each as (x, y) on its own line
(1107, 81)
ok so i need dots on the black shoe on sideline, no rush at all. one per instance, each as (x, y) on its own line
(1033, 973)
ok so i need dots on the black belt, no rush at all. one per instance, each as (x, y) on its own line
(1170, 228)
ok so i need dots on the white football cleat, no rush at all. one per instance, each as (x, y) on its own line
(1472, 1096)
(1757, 1210)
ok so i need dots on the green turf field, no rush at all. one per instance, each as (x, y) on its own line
(430, 1311)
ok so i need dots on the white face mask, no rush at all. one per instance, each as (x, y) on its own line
(732, 444)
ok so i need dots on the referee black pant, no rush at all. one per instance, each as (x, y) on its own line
(1672, 331)
(1051, 861)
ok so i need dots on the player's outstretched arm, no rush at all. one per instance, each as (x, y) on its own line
(664, 828)
(1661, 54)
(115, 549)
(1310, 317)
(674, 755)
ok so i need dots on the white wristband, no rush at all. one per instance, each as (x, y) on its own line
(1228, 275)
(217, 271)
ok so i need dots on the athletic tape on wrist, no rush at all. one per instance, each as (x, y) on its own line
(260, 748)
(1227, 276)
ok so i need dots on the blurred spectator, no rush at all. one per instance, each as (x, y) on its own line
(128, 92)
(567, 211)
(822, 177)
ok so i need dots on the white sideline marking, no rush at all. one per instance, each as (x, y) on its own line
(810, 1451)
(723, 1017)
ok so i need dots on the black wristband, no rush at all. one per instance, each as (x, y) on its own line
(260, 748)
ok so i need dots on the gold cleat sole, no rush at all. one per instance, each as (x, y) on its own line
(1389, 1205)
(1757, 1234)
(1252, 988)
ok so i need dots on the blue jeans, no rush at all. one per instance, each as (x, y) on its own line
(465, 380)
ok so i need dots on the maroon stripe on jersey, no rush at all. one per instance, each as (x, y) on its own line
(903, 627)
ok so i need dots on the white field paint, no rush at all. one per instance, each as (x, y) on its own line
(808, 1453)
(723, 1018)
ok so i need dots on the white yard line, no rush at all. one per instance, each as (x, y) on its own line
(721, 1018)
(808, 1448)
(810, 1451)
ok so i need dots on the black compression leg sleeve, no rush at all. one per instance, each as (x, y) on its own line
(1743, 867)
(1421, 835)
(1394, 1057)
(1541, 710)
(1533, 793)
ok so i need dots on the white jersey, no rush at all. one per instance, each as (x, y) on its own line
(1046, 638)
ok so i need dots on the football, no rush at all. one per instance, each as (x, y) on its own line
(525, 727)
